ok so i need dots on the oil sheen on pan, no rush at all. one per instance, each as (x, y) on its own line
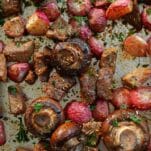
(75, 75)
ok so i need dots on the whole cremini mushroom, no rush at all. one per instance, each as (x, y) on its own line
(43, 115)
(72, 57)
(65, 136)
(125, 130)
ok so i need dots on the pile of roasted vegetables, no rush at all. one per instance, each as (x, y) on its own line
(73, 26)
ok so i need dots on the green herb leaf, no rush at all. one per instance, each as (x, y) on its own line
(123, 106)
(115, 123)
(80, 19)
(2, 21)
(12, 90)
(92, 140)
(92, 107)
(54, 83)
(65, 100)
(132, 31)
(38, 107)
(121, 37)
(135, 119)
(148, 11)
(21, 136)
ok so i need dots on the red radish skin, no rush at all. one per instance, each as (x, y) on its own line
(146, 18)
(78, 112)
(37, 24)
(79, 7)
(119, 8)
(101, 110)
(97, 19)
(85, 32)
(141, 98)
(121, 96)
(2, 134)
(17, 72)
(51, 10)
(1, 46)
(149, 46)
(135, 46)
(96, 46)
(100, 3)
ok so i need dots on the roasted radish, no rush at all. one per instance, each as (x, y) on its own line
(37, 24)
(2, 134)
(146, 18)
(17, 72)
(51, 10)
(119, 8)
(100, 3)
(97, 19)
(149, 46)
(141, 98)
(78, 112)
(121, 98)
(135, 46)
(96, 46)
(1, 46)
(85, 32)
(101, 110)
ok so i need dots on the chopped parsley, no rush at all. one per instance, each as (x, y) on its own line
(148, 11)
(92, 140)
(121, 37)
(38, 107)
(92, 107)
(123, 106)
(21, 136)
(131, 31)
(2, 21)
(115, 123)
(65, 100)
(110, 1)
(80, 19)
(54, 83)
(12, 90)
(135, 119)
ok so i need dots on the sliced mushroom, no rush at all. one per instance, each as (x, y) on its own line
(65, 136)
(72, 56)
(43, 115)
(124, 130)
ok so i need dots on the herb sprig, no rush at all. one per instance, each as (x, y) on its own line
(38, 107)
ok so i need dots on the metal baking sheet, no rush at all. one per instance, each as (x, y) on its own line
(124, 64)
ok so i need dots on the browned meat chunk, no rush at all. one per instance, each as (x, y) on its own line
(58, 86)
(104, 83)
(42, 146)
(31, 77)
(137, 77)
(88, 85)
(19, 52)
(3, 68)
(108, 58)
(60, 30)
(39, 63)
(14, 27)
(16, 100)
(10, 7)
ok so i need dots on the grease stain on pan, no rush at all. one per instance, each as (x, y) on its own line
(123, 66)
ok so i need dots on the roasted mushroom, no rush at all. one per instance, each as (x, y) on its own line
(10, 7)
(65, 136)
(124, 130)
(72, 56)
(43, 116)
